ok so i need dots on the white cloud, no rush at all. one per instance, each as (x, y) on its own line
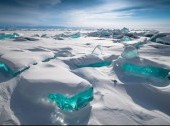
(36, 3)
(100, 16)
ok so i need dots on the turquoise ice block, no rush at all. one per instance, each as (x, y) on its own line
(8, 36)
(146, 70)
(72, 103)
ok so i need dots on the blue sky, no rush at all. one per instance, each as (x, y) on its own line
(86, 13)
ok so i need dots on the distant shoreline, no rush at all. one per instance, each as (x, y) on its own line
(53, 28)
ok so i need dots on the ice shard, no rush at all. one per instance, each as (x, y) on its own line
(125, 30)
(15, 35)
(44, 36)
(126, 39)
(8, 36)
(5, 69)
(3, 66)
(97, 50)
(105, 33)
(139, 45)
(129, 52)
(74, 102)
(76, 35)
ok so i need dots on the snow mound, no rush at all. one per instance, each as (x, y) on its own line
(164, 40)
(159, 35)
(17, 61)
(50, 78)
(83, 61)
(151, 33)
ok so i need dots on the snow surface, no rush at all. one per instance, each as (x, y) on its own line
(57, 66)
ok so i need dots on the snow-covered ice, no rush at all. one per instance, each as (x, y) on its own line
(127, 72)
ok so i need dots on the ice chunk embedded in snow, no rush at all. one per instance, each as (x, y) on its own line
(74, 102)
(125, 30)
(49, 80)
(131, 35)
(129, 52)
(101, 33)
(159, 35)
(76, 35)
(44, 36)
(87, 61)
(130, 64)
(164, 40)
(17, 61)
(126, 39)
(150, 71)
(3, 66)
(4, 69)
(8, 36)
(151, 33)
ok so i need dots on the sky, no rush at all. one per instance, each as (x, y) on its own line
(86, 13)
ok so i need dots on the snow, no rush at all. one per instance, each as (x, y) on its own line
(68, 67)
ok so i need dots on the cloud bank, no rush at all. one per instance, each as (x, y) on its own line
(86, 13)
